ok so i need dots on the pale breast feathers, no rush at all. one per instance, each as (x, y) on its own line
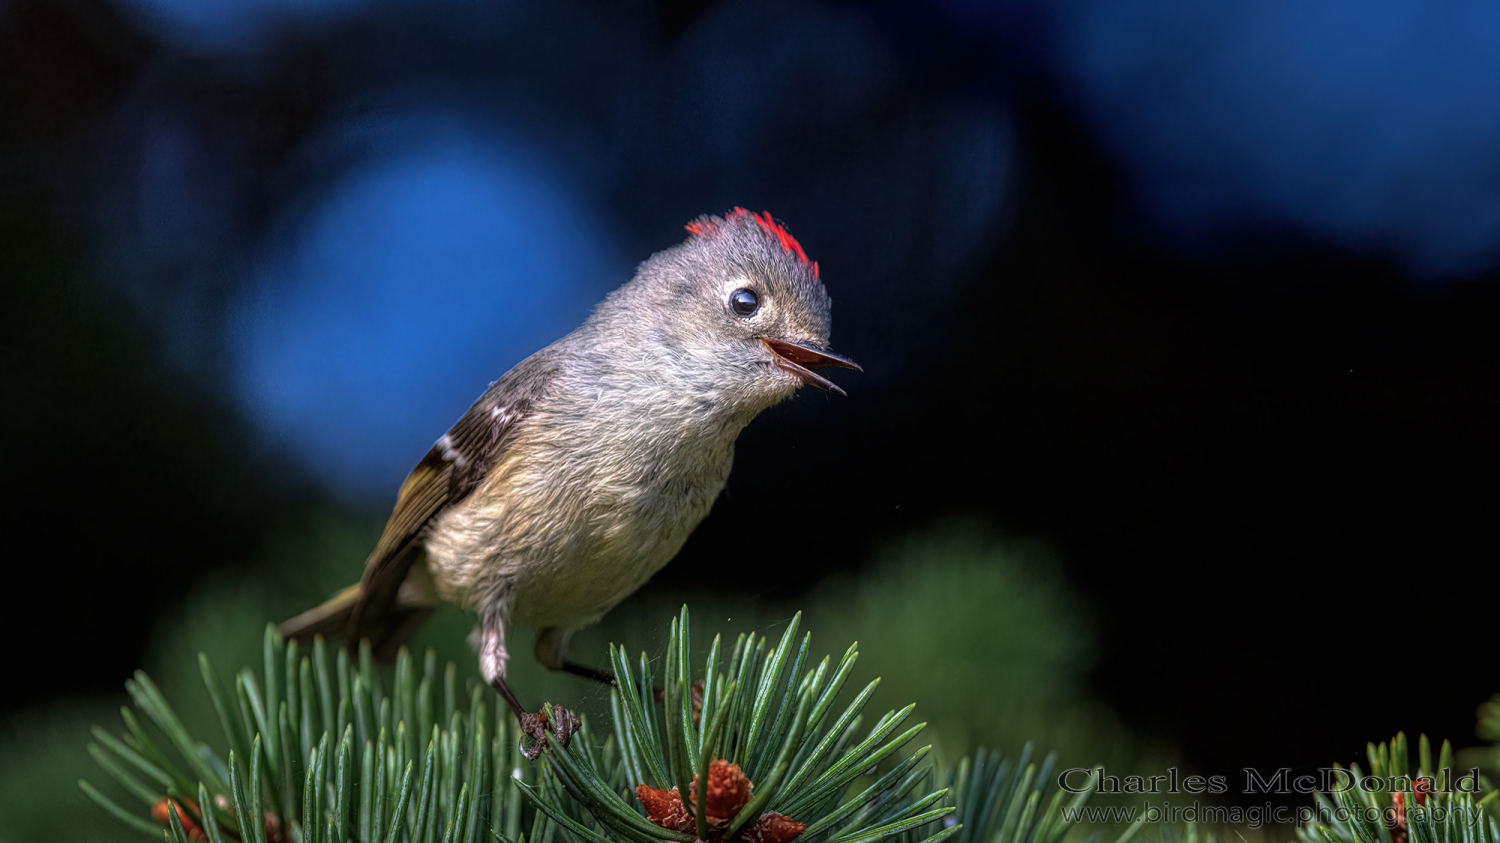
(450, 471)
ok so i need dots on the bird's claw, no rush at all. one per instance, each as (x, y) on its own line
(567, 725)
(537, 725)
(534, 725)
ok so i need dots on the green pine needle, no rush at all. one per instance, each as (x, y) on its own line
(1361, 814)
(320, 744)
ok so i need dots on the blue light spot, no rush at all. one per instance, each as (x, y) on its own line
(1370, 124)
(423, 277)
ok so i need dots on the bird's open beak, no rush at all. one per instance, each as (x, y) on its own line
(801, 359)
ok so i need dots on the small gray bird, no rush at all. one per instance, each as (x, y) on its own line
(581, 472)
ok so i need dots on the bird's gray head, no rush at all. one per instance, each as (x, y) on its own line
(737, 311)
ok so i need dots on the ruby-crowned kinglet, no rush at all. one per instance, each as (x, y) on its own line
(581, 472)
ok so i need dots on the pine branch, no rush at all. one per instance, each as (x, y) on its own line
(753, 750)
(1437, 804)
(341, 763)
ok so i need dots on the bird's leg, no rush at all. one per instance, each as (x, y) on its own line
(498, 683)
(552, 648)
(552, 651)
(589, 673)
(492, 659)
(604, 676)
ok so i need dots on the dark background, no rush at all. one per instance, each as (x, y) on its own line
(1205, 299)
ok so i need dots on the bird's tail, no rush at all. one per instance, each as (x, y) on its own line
(330, 620)
(334, 618)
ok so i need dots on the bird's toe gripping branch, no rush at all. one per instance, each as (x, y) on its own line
(555, 719)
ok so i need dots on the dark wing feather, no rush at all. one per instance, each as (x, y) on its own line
(447, 474)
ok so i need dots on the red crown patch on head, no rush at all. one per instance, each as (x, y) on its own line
(707, 226)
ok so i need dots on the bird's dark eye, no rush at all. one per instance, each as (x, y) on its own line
(744, 302)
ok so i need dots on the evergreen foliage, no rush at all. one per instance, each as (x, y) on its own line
(1390, 805)
(319, 750)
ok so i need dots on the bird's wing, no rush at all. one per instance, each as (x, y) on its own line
(453, 468)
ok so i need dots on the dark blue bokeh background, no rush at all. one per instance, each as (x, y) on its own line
(1204, 295)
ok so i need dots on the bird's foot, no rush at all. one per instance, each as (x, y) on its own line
(534, 725)
(562, 723)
